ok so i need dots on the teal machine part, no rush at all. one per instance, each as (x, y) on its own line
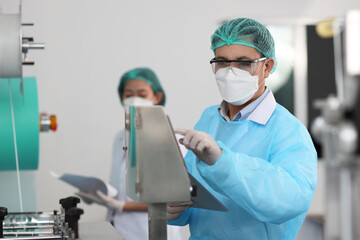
(26, 122)
(132, 146)
(19, 118)
(26, 119)
(131, 149)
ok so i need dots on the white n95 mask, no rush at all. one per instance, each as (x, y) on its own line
(236, 86)
(137, 101)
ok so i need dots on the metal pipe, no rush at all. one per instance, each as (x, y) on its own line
(338, 59)
(31, 45)
(27, 227)
(32, 235)
(157, 221)
(36, 238)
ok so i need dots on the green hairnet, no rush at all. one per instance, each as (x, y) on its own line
(144, 74)
(247, 32)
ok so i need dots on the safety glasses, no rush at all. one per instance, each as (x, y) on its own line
(250, 66)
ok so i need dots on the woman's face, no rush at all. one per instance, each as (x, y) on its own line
(140, 88)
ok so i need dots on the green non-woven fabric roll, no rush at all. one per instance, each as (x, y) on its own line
(26, 115)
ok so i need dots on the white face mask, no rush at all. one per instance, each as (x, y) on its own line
(136, 101)
(236, 86)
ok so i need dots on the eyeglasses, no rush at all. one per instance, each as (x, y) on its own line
(250, 66)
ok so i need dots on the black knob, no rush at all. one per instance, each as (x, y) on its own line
(69, 202)
(3, 213)
(73, 216)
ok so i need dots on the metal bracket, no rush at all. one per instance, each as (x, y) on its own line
(138, 188)
(138, 119)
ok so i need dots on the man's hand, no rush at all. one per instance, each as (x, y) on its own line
(202, 144)
(175, 209)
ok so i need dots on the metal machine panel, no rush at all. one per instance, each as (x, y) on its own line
(156, 170)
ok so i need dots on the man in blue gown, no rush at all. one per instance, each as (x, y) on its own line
(249, 151)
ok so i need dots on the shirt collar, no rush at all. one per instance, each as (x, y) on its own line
(258, 111)
(223, 110)
(264, 110)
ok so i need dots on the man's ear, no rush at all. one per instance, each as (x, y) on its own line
(158, 97)
(269, 64)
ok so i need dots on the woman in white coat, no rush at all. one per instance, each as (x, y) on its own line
(139, 86)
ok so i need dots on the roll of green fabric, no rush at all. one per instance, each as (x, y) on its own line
(26, 119)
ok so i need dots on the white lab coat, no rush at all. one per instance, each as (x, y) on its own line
(131, 225)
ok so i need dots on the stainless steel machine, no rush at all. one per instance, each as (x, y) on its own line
(338, 130)
(156, 171)
(61, 225)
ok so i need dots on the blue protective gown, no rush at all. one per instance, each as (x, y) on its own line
(266, 177)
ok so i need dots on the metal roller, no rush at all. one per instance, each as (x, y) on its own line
(10, 46)
(13, 46)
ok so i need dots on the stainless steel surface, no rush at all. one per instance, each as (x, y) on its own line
(351, 49)
(352, 42)
(338, 25)
(98, 231)
(158, 173)
(202, 198)
(156, 170)
(31, 45)
(157, 221)
(28, 233)
(38, 225)
(32, 225)
(13, 45)
(45, 123)
(27, 227)
(36, 238)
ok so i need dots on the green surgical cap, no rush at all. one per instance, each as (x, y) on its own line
(144, 74)
(247, 32)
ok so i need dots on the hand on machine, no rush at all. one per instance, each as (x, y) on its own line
(174, 210)
(202, 144)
